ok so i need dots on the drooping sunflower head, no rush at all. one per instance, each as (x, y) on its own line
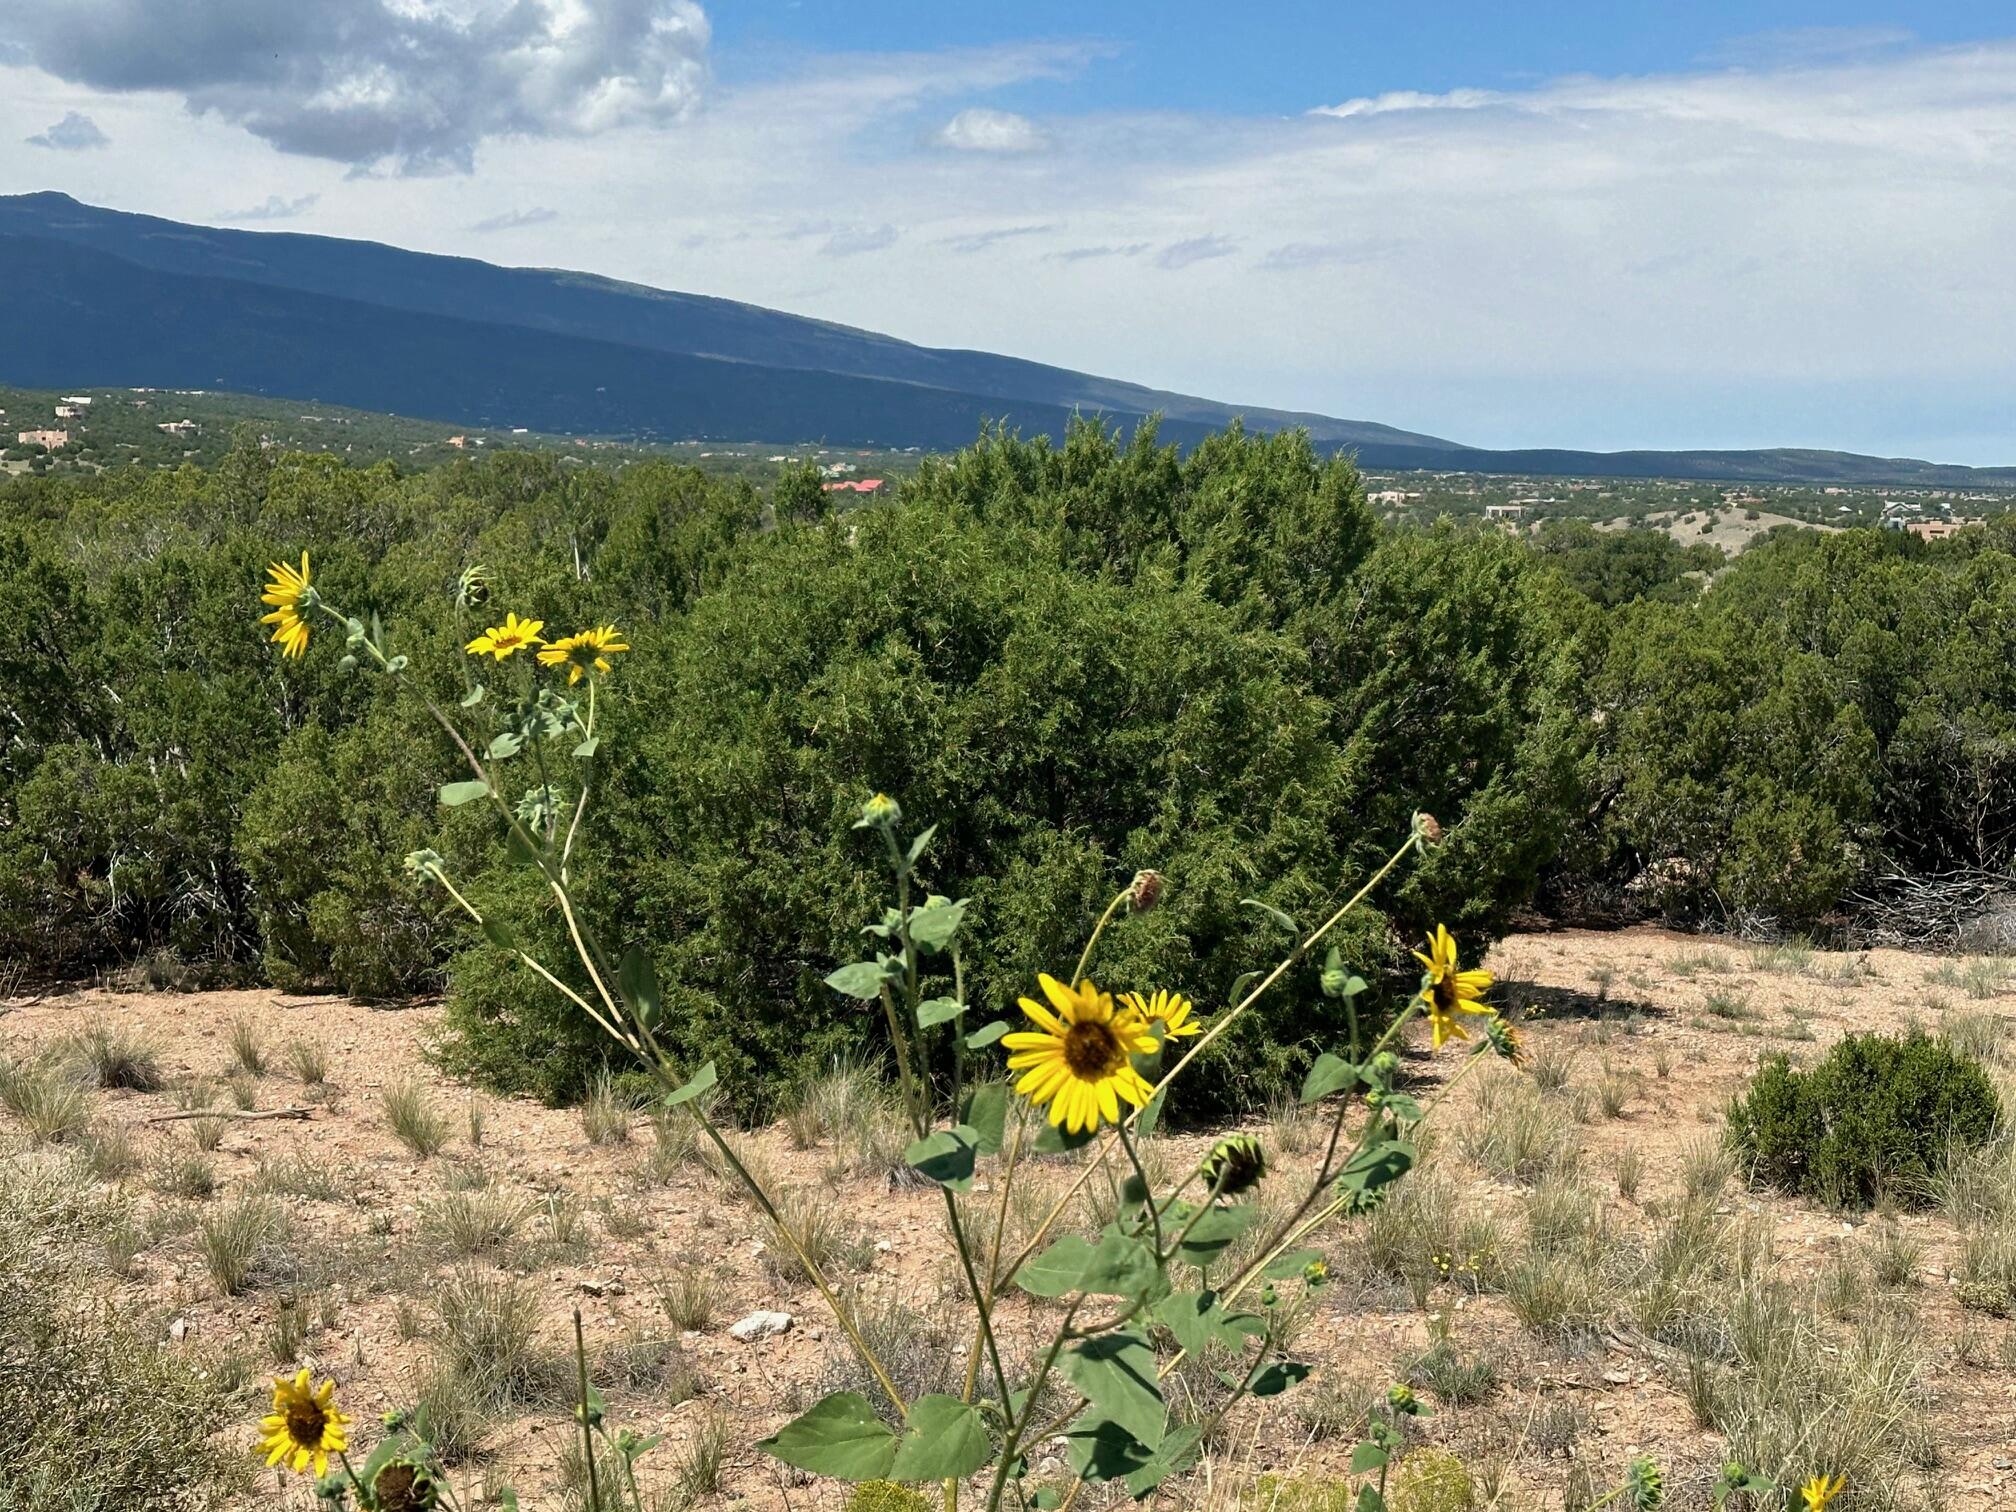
(1171, 1010)
(1078, 1060)
(503, 640)
(1447, 990)
(403, 1485)
(305, 1427)
(290, 593)
(1821, 1489)
(585, 651)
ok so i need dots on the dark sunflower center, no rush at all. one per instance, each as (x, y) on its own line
(1093, 1051)
(1446, 996)
(305, 1422)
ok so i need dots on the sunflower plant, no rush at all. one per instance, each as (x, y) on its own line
(1081, 1071)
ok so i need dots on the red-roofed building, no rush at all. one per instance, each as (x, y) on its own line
(859, 486)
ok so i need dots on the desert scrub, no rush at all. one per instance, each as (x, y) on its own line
(417, 1123)
(112, 1055)
(1876, 1117)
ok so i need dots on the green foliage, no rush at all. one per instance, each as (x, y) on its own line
(1431, 1480)
(1877, 1118)
(886, 1496)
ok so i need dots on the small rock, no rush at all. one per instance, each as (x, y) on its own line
(1617, 1377)
(611, 1288)
(179, 1329)
(818, 1335)
(2004, 1463)
(883, 1246)
(762, 1325)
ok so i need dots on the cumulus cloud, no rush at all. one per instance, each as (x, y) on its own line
(74, 133)
(981, 130)
(416, 83)
(276, 208)
(515, 220)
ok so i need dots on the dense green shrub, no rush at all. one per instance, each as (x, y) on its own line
(1877, 1118)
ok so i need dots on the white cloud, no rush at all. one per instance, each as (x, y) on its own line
(1195, 249)
(1413, 99)
(276, 207)
(74, 133)
(418, 83)
(516, 220)
(981, 130)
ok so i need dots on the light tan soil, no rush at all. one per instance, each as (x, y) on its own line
(1613, 1000)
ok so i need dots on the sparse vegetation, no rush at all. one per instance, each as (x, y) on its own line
(414, 1119)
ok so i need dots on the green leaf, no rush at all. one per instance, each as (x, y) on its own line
(946, 1156)
(1047, 1500)
(1055, 1139)
(917, 849)
(862, 980)
(1217, 1228)
(1199, 1319)
(588, 747)
(1331, 1073)
(1292, 1264)
(1273, 914)
(937, 1010)
(639, 980)
(943, 1439)
(505, 743)
(1240, 983)
(1176, 1453)
(473, 697)
(1118, 1265)
(1278, 1377)
(987, 1115)
(499, 934)
(1373, 1168)
(840, 1437)
(935, 921)
(1099, 1449)
(1370, 1498)
(1116, 1373)
(986, 1035)
(1150, 1115)
(455, 794)
(700, 1082)
(1367, 1456)
(522, 847)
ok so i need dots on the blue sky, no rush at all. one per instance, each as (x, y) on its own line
(1571, 224)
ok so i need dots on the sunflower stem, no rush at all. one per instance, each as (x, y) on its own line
(1085, 955)
(587, 1428)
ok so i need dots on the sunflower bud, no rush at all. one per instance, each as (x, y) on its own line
(472, 589)
(1146, 891)
(880, 812)
(1426, 827)
(1315, 1274)
(425, 863)
(1403, 1401)
(1503, 1039)
(403, 1485)
(1645, 1485)
(1236, 1164)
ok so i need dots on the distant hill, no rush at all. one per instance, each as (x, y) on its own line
(95, 296)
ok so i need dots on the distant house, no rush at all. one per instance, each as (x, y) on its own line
(66, 412)
(83, 399)
(1510, 514)
(1938, 530)
(859, 486)
(458, 442)
(49, 438)
(176, 427)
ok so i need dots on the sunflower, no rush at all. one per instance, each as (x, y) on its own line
(305, 1424)
(590, 648)
(501, 640)
(1078, 1063)
(1819, 1491)
(288, 592)
(1172, 1009)
(1447, 991)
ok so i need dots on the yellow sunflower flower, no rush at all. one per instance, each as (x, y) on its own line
(1078, 1063)
(305, 1427)
(1448, 991)
(288, 592)
(1819, 1491)
(514, 634)
(590, 648)
(1171, 1008)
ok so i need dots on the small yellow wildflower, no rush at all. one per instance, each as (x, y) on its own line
(304, 1426)
(588, 649)
(1079, 1063)
(513, 635)
(287, 592)
(1820, 1490)
(1171, 1009)
(1448, 991)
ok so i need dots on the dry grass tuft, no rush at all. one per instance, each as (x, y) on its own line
(413, 1119)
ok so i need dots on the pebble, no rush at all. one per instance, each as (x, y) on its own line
(762, 1325)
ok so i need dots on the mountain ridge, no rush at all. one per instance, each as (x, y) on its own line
(155, 302)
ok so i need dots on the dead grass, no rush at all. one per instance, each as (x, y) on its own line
(414, 1119)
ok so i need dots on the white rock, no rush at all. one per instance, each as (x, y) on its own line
(762, 1325)
(179, 1329)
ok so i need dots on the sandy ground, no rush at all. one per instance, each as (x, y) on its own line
(1614, 1001)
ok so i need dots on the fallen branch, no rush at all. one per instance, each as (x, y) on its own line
(230, 1113)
